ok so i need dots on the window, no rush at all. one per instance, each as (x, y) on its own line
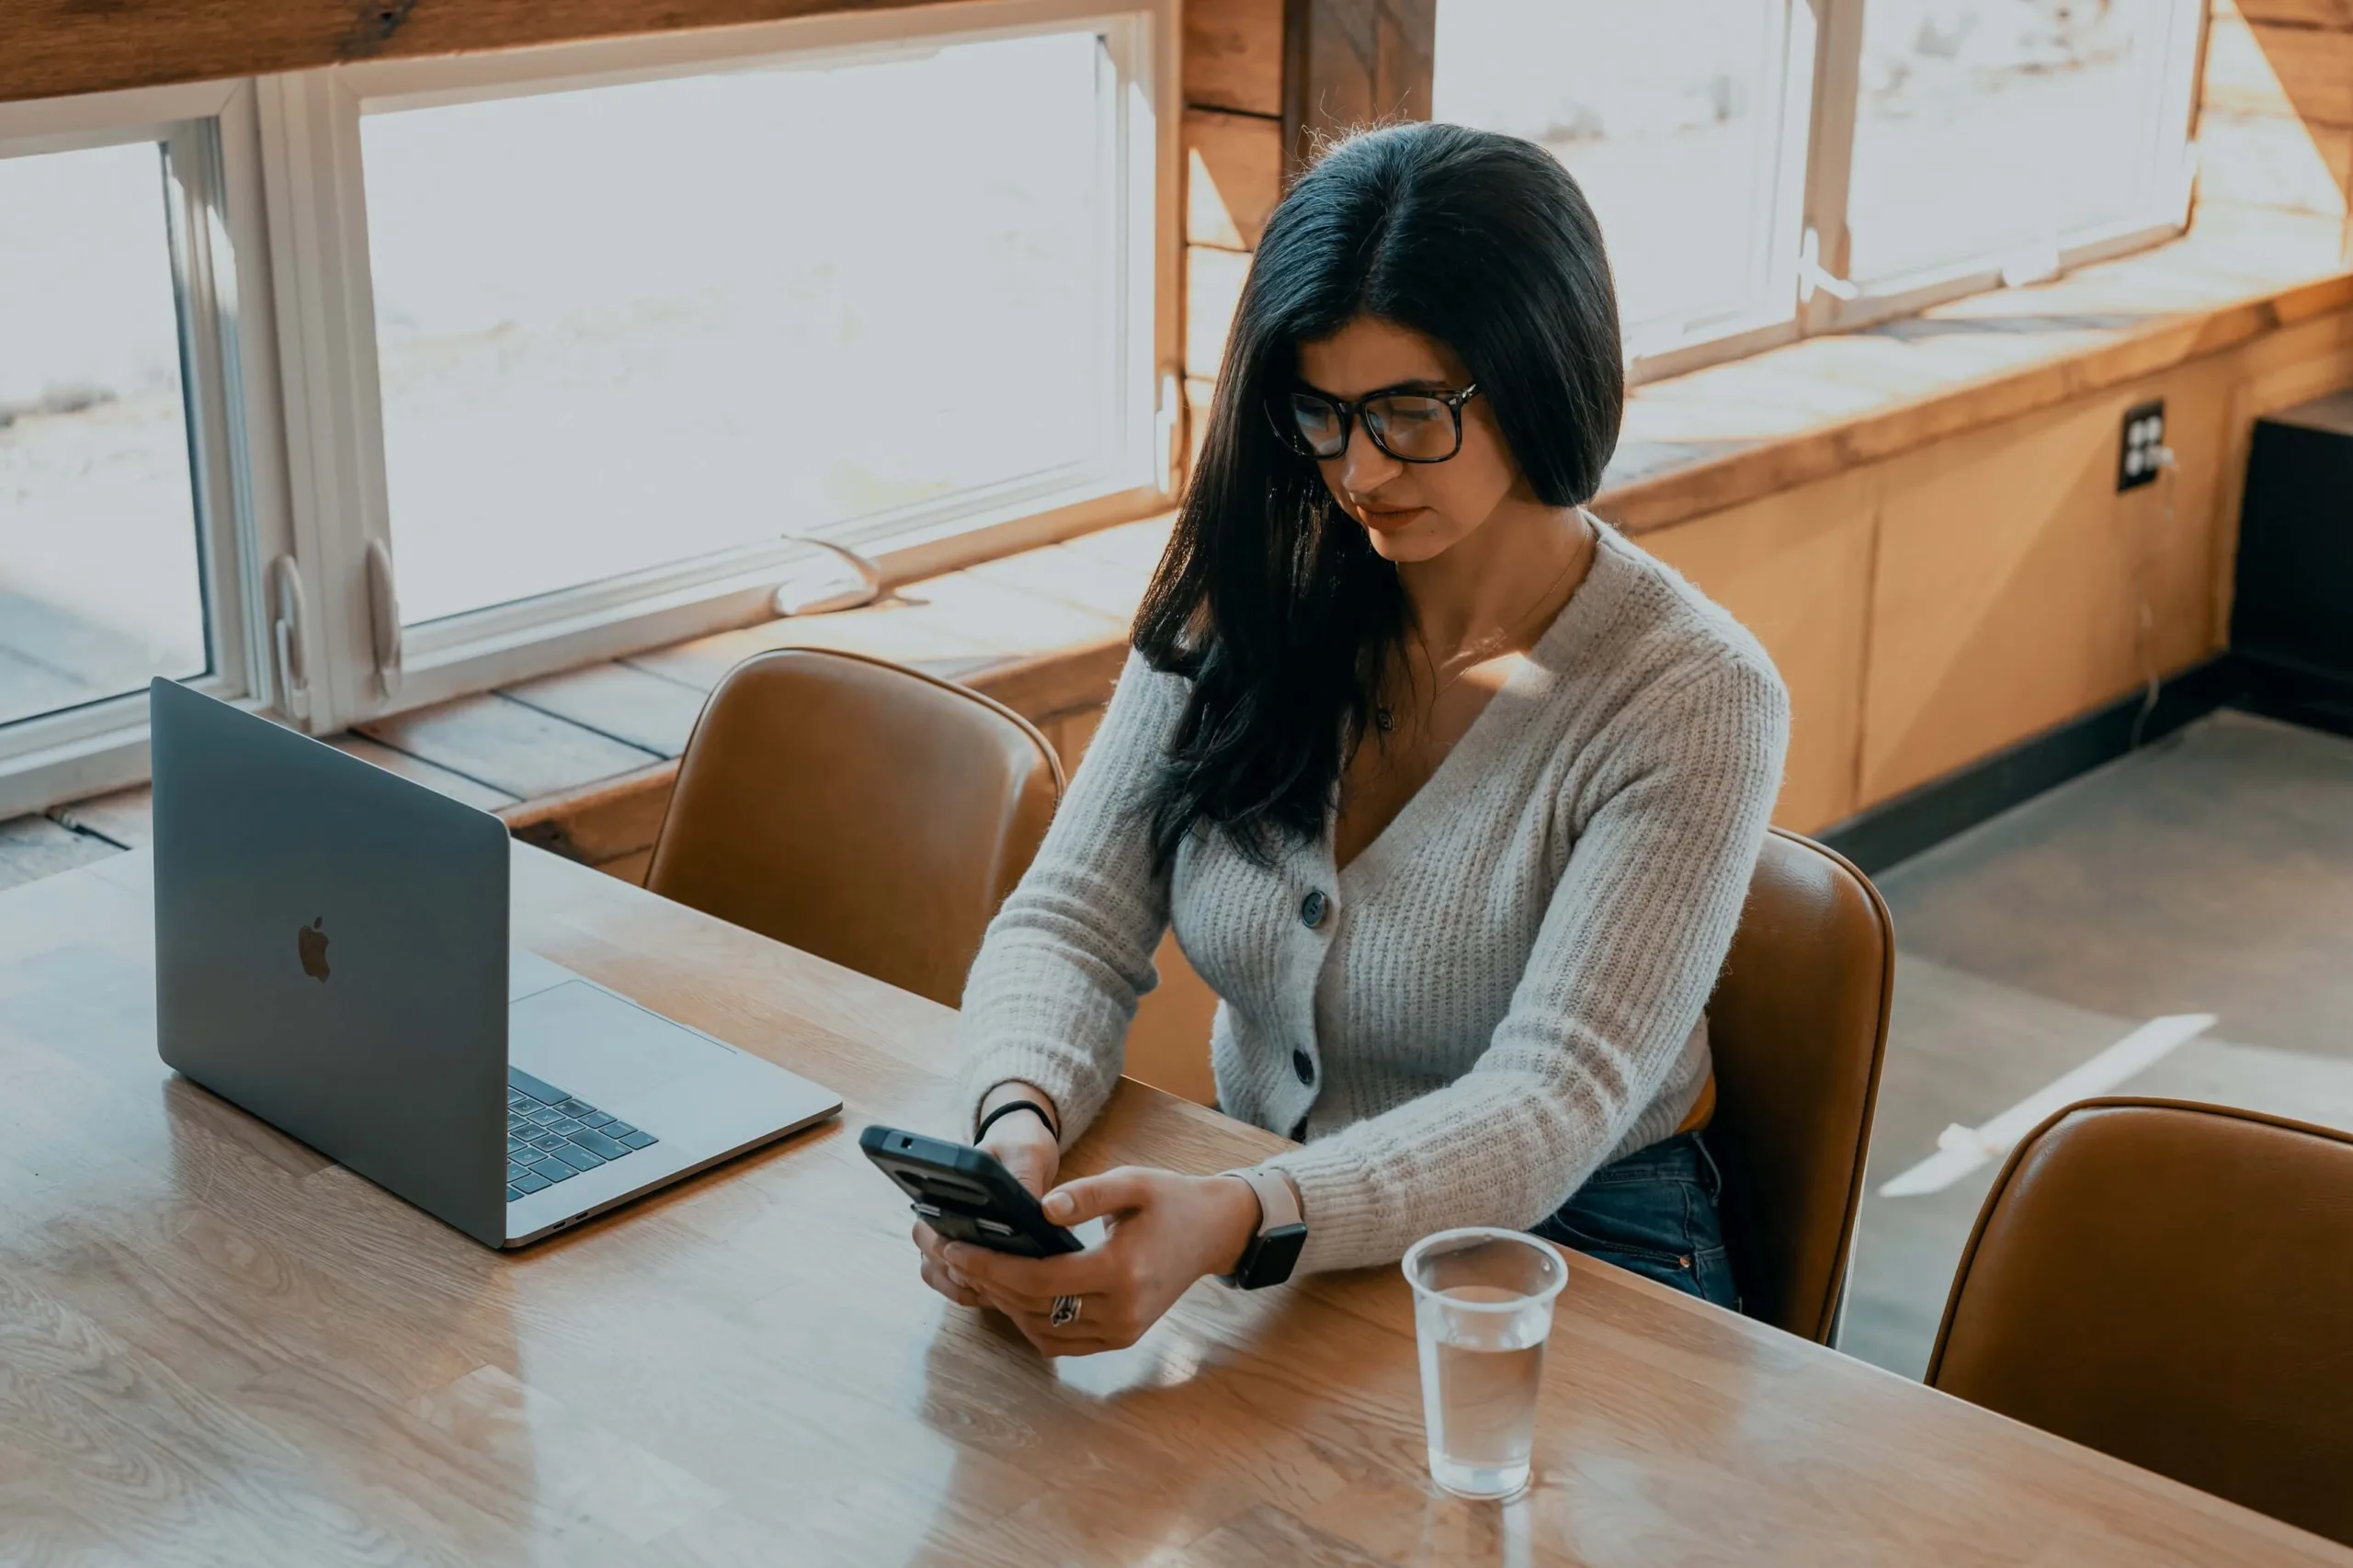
(345, 390)
(1764, 168)
(623, 326)
(1990, 129)
(100, 586)
(124, 524)
(1695, 99)
(607, 325)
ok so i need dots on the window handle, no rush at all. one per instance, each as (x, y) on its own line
(384, 614)
(289, 618)
(1812, 276)
(797, 596)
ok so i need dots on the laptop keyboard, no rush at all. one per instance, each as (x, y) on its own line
(553, 1137)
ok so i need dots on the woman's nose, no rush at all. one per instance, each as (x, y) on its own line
(1364, 467)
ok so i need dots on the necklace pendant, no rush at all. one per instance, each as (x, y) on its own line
(1383, 720)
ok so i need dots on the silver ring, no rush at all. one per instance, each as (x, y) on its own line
(1065, 1312)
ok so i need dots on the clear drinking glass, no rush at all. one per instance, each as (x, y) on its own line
(1483, 1305)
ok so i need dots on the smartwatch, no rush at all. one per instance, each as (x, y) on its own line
(1282, 1232)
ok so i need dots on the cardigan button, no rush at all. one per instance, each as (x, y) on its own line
(1312, 908)
(1302, 1066)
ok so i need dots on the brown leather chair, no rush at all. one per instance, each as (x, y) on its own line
(857, 809)
(2172, 1284)
(1798, 1026)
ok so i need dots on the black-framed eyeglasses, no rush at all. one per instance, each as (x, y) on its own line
(1412, 427)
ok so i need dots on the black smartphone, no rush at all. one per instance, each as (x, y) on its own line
(965, 1194)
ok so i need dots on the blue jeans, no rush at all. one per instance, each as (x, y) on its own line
(1653, 1213)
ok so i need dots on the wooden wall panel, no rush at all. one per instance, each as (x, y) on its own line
(1333, 49)
(1233, 55)
(2307, 13)
(1200, 394)
(1233, 172)
(1071, 735)
(1213, 281)
(1168, 1045)
(1406, 46)
(2011, 576)
(2312, 66)
(2237, 78)
(1796, 570)
(1997, 613)
(2275, 126)
(2175, 524)
(2277, 161)
(51, 47)
(1349, 63)
(631, 869)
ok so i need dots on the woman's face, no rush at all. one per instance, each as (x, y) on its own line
(1410, 511)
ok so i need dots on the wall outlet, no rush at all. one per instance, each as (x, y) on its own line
(2145, 446)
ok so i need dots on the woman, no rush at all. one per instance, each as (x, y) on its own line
(1452, 794)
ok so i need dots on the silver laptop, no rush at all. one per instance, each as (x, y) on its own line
(331, 954)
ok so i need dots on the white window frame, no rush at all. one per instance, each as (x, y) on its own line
(269, 260)
(1653, 354)
(1824, 52)
(221, 279)
(310, 133)
(2162, 213)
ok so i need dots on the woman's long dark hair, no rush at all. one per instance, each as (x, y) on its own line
(1270, 599)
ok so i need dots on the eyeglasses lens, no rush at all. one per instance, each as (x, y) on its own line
(1418, 429)
(1320, 426)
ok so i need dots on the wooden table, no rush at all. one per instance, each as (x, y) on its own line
(215, 1346)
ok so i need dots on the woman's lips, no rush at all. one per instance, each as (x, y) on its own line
(1390, 519)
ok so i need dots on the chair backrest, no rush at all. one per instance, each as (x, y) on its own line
(1798, 1026)
(857, 809)
(2172, 1284)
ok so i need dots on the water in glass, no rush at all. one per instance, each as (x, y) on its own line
(1482, 1306)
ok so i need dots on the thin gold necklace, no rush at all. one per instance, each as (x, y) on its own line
(1385, 719)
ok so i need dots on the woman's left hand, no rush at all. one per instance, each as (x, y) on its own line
(1162, 1231)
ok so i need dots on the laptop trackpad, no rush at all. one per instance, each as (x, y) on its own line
(592, 1043)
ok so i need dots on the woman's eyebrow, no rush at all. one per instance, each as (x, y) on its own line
(1418, 383)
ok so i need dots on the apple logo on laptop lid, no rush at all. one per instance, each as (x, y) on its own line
(311, 941)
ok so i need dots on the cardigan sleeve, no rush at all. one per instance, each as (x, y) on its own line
(1055, 985)
(1629, 948)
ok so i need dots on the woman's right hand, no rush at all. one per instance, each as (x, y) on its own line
(1022, 1144)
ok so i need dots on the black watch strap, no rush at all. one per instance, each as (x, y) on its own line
(1008, 1109)
(1273, 1251)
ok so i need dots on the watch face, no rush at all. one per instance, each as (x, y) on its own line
(1273, 1257)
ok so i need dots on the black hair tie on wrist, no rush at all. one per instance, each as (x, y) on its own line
(1008, 1109)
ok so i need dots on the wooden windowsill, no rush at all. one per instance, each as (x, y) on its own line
(1043, 630)
(581, 762)
(1713, 438)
